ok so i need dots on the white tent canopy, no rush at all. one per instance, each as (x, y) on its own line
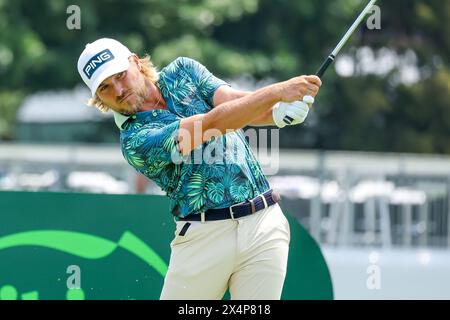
(59, 106)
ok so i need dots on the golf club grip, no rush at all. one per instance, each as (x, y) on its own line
(325, 65)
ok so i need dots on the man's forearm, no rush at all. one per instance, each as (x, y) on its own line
(236, 114)
(228, 116)
(253, 109)
(265, 119)
(225, 94)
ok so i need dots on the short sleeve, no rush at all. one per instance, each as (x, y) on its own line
(203, 79)
(152, 149)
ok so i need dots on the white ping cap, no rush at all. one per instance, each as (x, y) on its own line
(100, 60)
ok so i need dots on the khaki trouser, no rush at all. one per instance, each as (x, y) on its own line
(248, 256)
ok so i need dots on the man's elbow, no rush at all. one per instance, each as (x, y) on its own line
(226, 93)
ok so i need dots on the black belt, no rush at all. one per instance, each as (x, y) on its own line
(239, 210)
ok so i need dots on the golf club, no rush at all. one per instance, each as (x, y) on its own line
(344, 40)
(309, 99)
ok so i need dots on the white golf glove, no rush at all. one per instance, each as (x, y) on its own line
(292, 113)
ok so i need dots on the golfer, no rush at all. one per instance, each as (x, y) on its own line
(182, 128)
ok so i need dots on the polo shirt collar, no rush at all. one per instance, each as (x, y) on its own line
(120, 119)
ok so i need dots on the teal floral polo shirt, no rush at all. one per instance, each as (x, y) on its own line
(217, 174)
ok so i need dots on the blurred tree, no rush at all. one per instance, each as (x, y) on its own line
(397, 104)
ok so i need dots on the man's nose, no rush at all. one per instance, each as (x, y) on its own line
(118, 88)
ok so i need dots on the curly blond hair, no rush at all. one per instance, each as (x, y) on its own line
(149, 71)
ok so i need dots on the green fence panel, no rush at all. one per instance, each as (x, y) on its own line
(116, 245)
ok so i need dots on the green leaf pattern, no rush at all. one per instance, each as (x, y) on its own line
(216, 192)
(197, 191)
(241, 190)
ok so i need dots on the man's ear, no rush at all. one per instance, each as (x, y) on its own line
(134, 58)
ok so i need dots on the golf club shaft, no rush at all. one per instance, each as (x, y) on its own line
(341, 43)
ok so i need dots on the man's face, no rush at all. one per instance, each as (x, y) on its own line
(125, 91)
